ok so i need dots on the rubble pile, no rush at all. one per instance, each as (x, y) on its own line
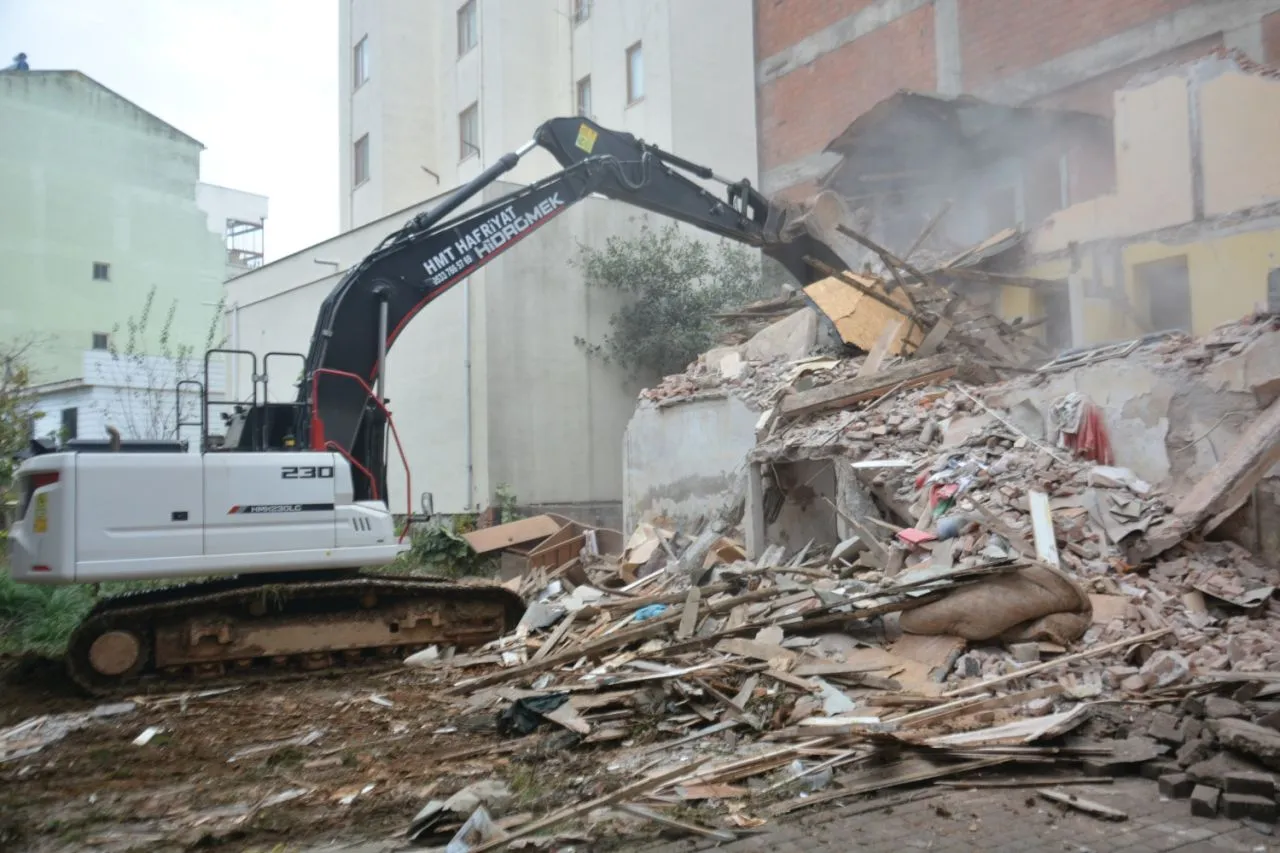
(998, 607)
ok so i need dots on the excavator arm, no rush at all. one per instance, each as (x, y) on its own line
(369, 308)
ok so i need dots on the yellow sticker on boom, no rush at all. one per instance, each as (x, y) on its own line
(586, 138)
(41, 524)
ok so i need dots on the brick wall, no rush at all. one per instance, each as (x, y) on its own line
(1271, 37)
(782, 23)
(1002, 37)
(802, 111)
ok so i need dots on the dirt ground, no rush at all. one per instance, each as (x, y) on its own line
(385, 738)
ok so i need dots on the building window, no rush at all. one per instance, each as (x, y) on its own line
(101, 271)
(581, 10)
(635, 73)
(360, 161)
(468, 34)
(584, 97)
(70, 424)
(101, 340)
(469, 132)
(360, 63)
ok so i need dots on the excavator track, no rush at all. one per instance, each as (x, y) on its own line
(255, 627)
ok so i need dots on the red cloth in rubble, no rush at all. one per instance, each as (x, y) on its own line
(1092, 441)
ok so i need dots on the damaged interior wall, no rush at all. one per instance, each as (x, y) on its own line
(1190, 238)
(680, 462)
(799, 503)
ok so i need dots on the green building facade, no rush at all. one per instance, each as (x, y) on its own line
(97, 207)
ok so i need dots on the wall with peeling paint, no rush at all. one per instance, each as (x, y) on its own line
(681, 461)
(1169, 422)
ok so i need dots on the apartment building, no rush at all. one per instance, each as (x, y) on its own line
(487, 385)
(103, 207)
(434, 92)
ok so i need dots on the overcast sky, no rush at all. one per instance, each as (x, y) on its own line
(254, 80)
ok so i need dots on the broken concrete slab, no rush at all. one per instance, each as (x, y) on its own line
(1258, 742)
(1175, 786)
(1224, 489)
(1239, 806)
(790, 338)
(1204, 801)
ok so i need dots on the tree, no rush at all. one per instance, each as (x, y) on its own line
(18, 411)
(147, 373)
(674, 283)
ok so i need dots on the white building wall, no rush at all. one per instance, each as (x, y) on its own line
(699, 96)
(223, 203)
(139, 397)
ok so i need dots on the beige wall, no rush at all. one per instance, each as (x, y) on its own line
(1240, 121)
(1153, 171)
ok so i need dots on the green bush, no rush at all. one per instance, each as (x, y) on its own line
(673, 284)
(39, 618)
(439, 548)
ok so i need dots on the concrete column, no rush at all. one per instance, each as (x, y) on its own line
(1247, 38)
(852, 498)
(753, 518)
(946, 43)
(1075, 298)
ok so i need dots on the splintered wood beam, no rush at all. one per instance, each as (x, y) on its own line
(842, 394)
(890, 259)
(844, 276)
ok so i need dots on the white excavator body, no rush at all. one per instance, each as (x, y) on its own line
(92, 517)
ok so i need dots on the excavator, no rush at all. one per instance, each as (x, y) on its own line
(268, 540)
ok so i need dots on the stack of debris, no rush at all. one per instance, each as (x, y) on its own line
(1005, 589)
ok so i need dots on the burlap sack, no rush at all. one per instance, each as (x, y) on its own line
(1035, 603)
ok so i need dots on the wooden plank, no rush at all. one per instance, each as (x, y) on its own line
(490, 539)
(934, 339)
(707, 731)
(875, 358)
(891, 776)
(861, 319)
(645, 630)
(624, 793)
(845, 393)
(1025, 783)
(556, 636)
(689, 619)
(756, 651)
(663, 820)
(965, 707)
(1081, 804)
(1042, 528)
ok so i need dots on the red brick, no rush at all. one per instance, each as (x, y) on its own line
(804, 110)
(782, 23)
(1271, 37)
(1003, 37)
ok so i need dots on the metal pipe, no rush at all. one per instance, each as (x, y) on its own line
(382, 346)
(505, 163)
(466, 354)
(383, 294)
